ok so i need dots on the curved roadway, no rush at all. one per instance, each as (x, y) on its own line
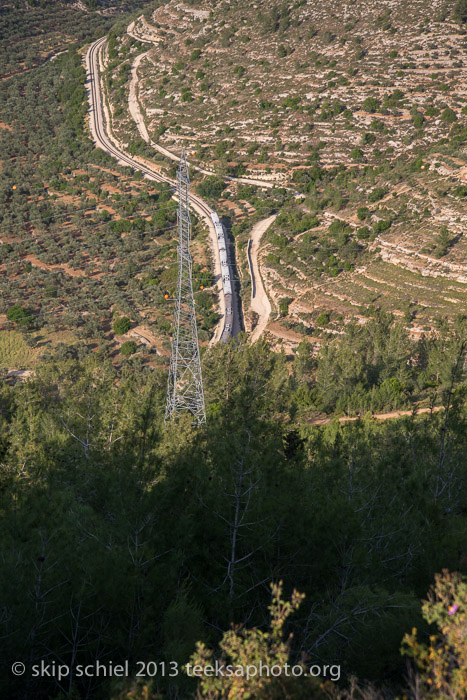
(98, 130)
(260, 303)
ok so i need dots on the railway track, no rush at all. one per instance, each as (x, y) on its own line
(104, 141)
(99, 131)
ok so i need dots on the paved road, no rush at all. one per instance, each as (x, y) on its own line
(99, 132)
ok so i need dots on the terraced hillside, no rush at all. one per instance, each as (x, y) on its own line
(358, 109)
(268, 84)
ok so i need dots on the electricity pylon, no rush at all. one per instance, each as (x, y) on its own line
(185, 385)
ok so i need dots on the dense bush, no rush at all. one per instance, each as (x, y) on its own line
(128, 348)
(122, 325)
(460, 11)
(371, 104)
(107, 523)
(362, 213)
(19, 315)
(381, 226)
(211, 187)
(449, 116)
(356, 153)
(377, 194)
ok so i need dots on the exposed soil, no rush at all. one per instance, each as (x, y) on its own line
(260, 303)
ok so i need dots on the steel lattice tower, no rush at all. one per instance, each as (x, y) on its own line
(185, 384)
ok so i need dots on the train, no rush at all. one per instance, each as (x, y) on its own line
(226, 278)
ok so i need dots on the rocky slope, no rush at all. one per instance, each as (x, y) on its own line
(358, 108)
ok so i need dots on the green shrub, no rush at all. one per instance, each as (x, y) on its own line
(304, 223)
(122, 325)
(292, 102)
(128, 348)
(356, 154)
(211, 187)
(313, 174)
(19, 315)
(394, 99)
(323, 319)
(284, 306)
(377, 194)
(50, 291)
(371, 104)
(460, 11)
(279, 240)
(416, 164)
(443, 242)
(418, 121)
(121, 226)
(362, 213)
(449, 116)
(439, 665)
(338, 226)
(381, 226)
(368, 139)
(239, 71)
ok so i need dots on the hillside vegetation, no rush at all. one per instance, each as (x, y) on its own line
(331, 471)
(357, 107)
(125, 540)
(83, 240)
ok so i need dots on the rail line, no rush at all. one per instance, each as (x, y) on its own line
(109, 147)
(227, 326)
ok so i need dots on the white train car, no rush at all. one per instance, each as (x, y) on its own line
(227, 284)
(221, 244)
(225, 270)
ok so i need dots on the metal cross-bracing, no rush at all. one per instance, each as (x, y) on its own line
(185, 384)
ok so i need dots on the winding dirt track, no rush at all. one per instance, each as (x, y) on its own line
(138, 118)
(260, 303)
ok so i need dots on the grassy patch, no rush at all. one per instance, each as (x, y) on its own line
(14, 352)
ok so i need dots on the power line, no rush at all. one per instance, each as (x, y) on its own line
(185, 383)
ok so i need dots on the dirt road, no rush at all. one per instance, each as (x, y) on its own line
(260, 303)
(137, 115)
(133, 103)
(378, 416)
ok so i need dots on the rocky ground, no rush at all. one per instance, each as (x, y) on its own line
(358, 108)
